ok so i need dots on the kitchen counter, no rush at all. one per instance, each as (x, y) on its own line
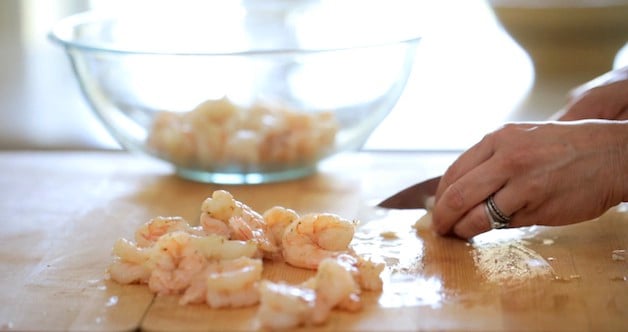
(62, 211)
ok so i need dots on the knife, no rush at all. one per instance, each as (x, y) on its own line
(418, 196)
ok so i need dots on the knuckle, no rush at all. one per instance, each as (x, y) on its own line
(517, 160)
(454, 197)
(536, 187)
(490, 138)
(472, 225)
(503, 132)
(478, 223)
(522, 218)
(452, 172)
(439, 223)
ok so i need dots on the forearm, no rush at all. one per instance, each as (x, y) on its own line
(616, 75)
(623, 146)
(605, 97)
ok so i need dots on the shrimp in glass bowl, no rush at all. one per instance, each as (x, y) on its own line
(242, 105)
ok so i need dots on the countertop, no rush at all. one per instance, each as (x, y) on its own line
(62, 211)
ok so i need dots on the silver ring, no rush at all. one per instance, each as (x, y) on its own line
(496, 217)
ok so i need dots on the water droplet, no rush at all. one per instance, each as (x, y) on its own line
(619, 255)
(567, 279)
(92, 282)
(112, 301)
(548, 242)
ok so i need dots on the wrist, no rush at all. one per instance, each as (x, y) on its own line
(613, 140)
(622, 141)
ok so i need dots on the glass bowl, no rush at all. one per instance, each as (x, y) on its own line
(241, 92)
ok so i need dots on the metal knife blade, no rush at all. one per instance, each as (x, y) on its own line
(418, 196)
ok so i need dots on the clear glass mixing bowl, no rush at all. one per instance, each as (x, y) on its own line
(244, 92)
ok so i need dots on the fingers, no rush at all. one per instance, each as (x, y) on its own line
(471, 158)
(465, 194)
(531, 183)
(455, 196)
(509, 201)
(476, 221)
(473, 223)
(469, 181)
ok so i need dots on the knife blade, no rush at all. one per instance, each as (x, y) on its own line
(418, 196)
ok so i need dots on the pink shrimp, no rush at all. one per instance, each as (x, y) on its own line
(314, 237)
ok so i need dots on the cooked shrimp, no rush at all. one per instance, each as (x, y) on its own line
(170, 136)
(284, 306)
(334, 284)
(220, 205)
(226, 283)
(233, 283)
(369, 274)
(244, 223)
(212, 225)
(221, 132)
(218, 262)
(277, 219)
(178, 256)
(250, 230)
(128, 273)
(148, 233)
(314, 237)
(173, 263)
(196, 292)
(217, 247)
(129, 265)
(129, 252)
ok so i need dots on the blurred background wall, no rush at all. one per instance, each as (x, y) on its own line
(469, 77)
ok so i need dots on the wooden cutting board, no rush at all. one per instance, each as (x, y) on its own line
(62, 211)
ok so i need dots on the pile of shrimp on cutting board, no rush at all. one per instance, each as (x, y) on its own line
(220, 261)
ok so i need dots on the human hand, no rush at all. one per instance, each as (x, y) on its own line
(552, 173)
(605, 97)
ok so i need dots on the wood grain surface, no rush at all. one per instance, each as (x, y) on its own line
(62, 211)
